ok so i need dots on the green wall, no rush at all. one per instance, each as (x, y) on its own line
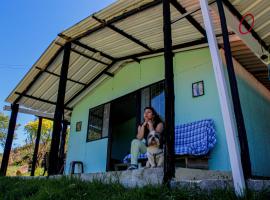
(189, 67)
(256, 111)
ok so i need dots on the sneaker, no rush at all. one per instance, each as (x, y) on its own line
(132, 166)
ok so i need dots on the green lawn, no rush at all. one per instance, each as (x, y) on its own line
(15, 188)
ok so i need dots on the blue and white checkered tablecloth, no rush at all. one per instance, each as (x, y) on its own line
(195, 138)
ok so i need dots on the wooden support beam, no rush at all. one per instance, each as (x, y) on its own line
(224, 100)
(123, 33)
(161, 50)
(34, 160)
(169, 154)
(31, 112)
(109, 74)
(59, 113)
(62, 147)
(89, 57)
(54, 74)
(83, 54)
(78, 43)
(9, 140)
(242, 135)
(235, 12)
(122, 16)
(183, 11)
(39, 99)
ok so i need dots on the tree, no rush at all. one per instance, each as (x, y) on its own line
(4, 120)
(31, 131)
(45, 137)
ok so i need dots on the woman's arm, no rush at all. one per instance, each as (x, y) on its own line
(140, 133)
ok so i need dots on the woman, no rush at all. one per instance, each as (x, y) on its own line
(152, 122)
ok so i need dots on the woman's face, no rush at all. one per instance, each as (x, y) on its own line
(148, 114)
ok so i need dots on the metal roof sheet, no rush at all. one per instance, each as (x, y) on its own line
(146, 26)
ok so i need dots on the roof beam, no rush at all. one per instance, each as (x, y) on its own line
(183, 11)
(78, 43)
(90, 83)
(38, 75)
(89, 57)
(54, 74)
(31, 112)
(123, 33)
(246, 24)
(40, 99)
(119, 18)
(83, 54)
(161, 50)
(109, 74)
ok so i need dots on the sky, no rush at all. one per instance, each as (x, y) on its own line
(26, 29)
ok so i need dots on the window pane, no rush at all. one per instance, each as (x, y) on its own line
(145, 100)
(154, 96)
(106, 120)
(157, 95)
(95, 123)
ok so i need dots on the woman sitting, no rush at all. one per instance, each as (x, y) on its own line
(152, 122)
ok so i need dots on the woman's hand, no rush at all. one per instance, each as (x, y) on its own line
(144, 123)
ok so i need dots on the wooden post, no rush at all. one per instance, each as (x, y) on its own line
(59, 112)
(242, 135)
(10, 135)
(62, 146)
(34, 160)
(228, 120)
(169, 163)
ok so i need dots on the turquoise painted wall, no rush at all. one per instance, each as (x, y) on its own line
(189, 67)
(256, 111)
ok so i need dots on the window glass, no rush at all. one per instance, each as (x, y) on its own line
(95, 123)
(157, 96)
(154, 96)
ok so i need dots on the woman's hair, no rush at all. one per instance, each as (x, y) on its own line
(156, 119)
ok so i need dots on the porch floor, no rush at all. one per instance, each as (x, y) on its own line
(184, 177)
(154, 176)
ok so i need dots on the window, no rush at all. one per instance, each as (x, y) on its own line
(154, 96)
(98, 122)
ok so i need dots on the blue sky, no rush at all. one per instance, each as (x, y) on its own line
(27, 28)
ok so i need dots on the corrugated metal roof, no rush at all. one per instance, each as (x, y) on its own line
(260, 9)
(146, 26)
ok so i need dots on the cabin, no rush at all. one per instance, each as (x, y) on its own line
(190, 60)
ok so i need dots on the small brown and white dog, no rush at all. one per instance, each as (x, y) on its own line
(154, 153)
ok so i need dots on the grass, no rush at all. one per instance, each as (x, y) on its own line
(39, 189)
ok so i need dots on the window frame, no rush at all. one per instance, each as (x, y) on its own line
(88, 126)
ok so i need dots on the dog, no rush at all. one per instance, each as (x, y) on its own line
(155, 155)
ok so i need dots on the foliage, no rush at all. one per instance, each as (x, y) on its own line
(64, 188)
(4, 120)
(31, 131)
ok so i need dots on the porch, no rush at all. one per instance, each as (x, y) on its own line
(82, 58)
